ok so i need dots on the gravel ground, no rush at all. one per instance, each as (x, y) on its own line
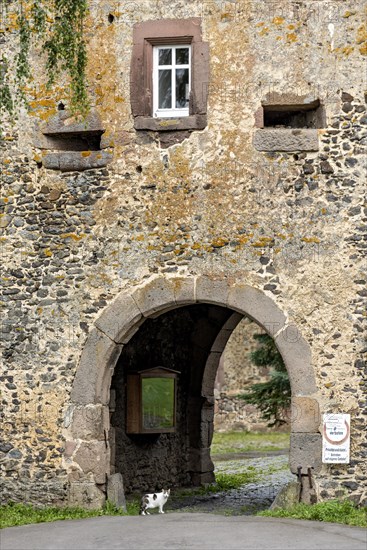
(249, 498)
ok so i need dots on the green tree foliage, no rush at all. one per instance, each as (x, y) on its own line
(56, 26)
(273, 397)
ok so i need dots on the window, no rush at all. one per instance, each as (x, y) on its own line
(169, 75)
(171, 80)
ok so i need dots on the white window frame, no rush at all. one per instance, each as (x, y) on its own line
(174, 112)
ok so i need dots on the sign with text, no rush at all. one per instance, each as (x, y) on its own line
(336, 438)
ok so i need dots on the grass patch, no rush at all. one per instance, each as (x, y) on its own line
(240, 442)
(21, 514)
(226, 482)
(336, 511)
(223, 482)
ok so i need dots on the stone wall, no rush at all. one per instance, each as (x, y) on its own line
(227, 201)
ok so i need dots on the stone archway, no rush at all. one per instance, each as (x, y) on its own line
(87, 452)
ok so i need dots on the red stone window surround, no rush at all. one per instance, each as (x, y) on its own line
(167, 32)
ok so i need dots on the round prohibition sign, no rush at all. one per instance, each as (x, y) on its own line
(342, 440)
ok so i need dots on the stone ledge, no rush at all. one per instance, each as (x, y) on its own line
(63, 123)
(292, 139)
(192, 122)
(69, 161)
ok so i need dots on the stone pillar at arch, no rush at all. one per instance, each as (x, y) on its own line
(87, 449)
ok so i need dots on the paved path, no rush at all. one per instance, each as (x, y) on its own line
(184, 531)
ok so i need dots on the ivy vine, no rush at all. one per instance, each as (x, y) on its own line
(57, 26)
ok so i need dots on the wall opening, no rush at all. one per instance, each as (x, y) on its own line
(308, 115)
(78, 141)
(187, 323)
(245, 450)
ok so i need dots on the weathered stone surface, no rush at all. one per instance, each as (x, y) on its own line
(277, 139)
(287, 497)
(154, 296)
(64, 123)
(195, 122)
(184, 290)
(90, 422)
(115, 491)
(94, 458)
(68, 161)
(305, 415)
(212, 291)
(85, 494)
(305, 451)
(122, 316)
(200, 461)
(258, 306)
(210, 373)
(296, 355)
(95, 370)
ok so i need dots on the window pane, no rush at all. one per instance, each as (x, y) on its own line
(182, 88)
(158, 399)
(182, 56)
(165, 89)
(165, 57)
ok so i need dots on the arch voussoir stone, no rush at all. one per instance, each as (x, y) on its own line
(93, 377)
(211, 291)
(121, 318)
(155, 295)
(255, 304)
(296, 354)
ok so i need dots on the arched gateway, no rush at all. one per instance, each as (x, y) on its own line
(87, 427)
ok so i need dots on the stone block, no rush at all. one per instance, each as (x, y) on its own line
(93, 457)
(296, 355)
(115, 491)
(257, 305)
(210, 372)
(202, 479)
(70, 447)
(64, 123)
(200, 461)
(85, 495)
(221, 340)
(305, 415)
(90, 422)
(288, 139)
(183, 289)
(70, 161)
(192, 122)
(94, 373)
(155, 296)
(305, 451)
(119, 318)
(211, 291)
(287, 497)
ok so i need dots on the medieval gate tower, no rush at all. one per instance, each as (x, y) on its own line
(220, 173)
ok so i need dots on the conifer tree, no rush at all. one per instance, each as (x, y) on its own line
(272, 397)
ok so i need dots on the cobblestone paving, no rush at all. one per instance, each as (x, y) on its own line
(273, 472)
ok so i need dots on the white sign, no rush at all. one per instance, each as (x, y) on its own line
(336, 438)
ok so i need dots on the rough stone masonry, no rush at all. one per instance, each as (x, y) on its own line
(123, 222)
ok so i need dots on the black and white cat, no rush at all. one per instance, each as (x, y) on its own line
(154, 500)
